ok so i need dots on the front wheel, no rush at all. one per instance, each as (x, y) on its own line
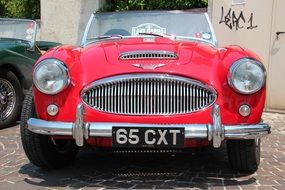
(244, 155)
(42, 150)
(11, 96)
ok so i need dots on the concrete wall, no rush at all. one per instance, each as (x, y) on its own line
(64, 21)
(253, 24)
(38, 35)
(248, 25)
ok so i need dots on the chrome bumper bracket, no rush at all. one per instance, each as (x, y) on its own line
(216, 131)
(79, 128)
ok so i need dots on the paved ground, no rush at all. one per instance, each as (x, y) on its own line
(200, 169)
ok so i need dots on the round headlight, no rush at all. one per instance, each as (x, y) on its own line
(247, 76)
(51, 76)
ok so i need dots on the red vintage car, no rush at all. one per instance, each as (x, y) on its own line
(145, 80)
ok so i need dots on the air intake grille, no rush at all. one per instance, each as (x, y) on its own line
(148, 55)
(149, 94)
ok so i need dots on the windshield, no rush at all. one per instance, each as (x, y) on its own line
(176, 24)
(18, 29)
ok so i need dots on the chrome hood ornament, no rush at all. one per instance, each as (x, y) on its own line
(148, 66)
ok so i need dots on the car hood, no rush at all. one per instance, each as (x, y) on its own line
(104, 57)
(113, 50)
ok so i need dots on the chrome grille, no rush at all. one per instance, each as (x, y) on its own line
(148, 94)
(148, 55)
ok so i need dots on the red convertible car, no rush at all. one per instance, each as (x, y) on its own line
(145, 80)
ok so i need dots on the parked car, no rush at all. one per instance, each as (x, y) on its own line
(18, 53)
(145, 80)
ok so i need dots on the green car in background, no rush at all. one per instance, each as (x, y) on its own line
(18, 53)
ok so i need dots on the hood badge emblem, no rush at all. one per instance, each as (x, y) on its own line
(148, 66)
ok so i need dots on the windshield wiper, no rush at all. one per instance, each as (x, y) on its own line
(170, 36)
(98, 38)
(151, 34)
(106, 37)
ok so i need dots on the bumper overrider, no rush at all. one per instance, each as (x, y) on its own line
(215, 132)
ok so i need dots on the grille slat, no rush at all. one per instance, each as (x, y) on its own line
(99, 97)
(148, 94)
(106, 97)
(148, 54)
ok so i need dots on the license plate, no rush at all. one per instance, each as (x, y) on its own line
(141, 137)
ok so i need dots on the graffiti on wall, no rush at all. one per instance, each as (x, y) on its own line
(237, 20)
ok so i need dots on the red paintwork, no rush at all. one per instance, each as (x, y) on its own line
(198, 61)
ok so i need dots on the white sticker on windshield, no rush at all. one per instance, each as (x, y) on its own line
(29, 37)
(30, 31)
(148, 28)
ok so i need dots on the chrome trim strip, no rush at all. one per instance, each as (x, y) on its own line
(84, 39)
(246, 131)
(214, 38)
(104, 129)
(50, 127)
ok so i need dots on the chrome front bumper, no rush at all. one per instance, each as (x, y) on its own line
(215, 132)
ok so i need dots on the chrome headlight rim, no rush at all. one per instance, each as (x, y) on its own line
(63, 68)
(235, 66)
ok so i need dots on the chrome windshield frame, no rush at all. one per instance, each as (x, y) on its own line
(84, 39)
(214, 42)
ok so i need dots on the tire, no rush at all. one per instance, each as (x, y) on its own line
(42, 150)
(11, 97)
(244, 155)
